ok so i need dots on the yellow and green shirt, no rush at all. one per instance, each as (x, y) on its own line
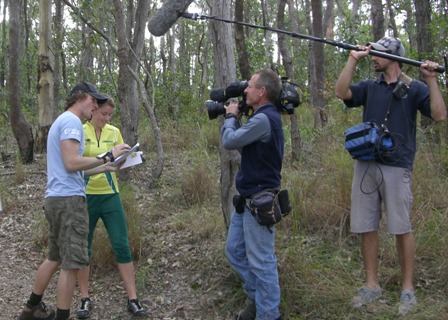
(103, 183)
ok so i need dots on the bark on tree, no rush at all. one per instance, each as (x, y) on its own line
(58, 52)
(267, 35)
(328, 22)
(289, 69)
(377, 17)
(4, 48)
(130, 31)
(409, 26)
(130, 48)
(86, 68)
(45, 84)
(392, 23)
(173, 105)
(225, 73)
(354, 16)
(158, 168)
(424, 38)
(27, 23)
(20, 127)
(318, 80)
(240, 41)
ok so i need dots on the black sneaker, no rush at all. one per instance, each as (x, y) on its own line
(136, 309)
(84, 309)
(39, 312)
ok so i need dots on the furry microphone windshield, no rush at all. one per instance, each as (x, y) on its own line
(166, 16)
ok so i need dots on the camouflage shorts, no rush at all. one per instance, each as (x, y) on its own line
(68, 221)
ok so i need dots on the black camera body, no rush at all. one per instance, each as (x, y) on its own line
(288, 100)
(219, 97)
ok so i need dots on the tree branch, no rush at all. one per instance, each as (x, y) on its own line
(91, 26)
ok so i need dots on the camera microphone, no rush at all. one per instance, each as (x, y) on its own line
(235, 89)
(218, 95)
(166, 16)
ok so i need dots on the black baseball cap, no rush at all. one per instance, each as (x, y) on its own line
(90, 89)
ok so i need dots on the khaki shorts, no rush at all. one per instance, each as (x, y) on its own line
(68, 231)
(375, 184)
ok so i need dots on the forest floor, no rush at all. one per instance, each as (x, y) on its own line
(178, 245)
(170, 284)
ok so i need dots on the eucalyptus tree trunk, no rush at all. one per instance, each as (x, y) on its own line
(163, 50)
(409, 26)
(425, 45)
(26, 22)
(45, 84)
(267, 38)
(130, 47)
(173, 105)
(318, 80)
(4, 48)
(130, 31)
(354, 17)
(328, 22)
(58, 52)
(391, 22)
(377, 17)
(20, 127)
(158, 168)
(86, 69)
(240, 41)
(424, 38)
(289, 69)
(225, 73)
(204, 62)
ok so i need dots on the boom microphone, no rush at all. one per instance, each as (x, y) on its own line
(166, 16)
(346, 46)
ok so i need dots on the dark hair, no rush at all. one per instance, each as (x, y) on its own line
(271, 81)
(73, 98)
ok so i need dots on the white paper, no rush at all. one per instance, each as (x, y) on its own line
(124, 156)
(133, 159)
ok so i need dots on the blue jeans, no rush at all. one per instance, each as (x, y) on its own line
(250, 250)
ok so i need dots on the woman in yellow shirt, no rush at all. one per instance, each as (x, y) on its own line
(104, 202)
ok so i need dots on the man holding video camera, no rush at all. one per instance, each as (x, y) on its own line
(392, 101)
(250, 246)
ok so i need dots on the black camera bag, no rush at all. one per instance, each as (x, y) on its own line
(265, 207)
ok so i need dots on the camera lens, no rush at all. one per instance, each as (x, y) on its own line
(214, 109)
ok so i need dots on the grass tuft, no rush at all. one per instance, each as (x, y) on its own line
(198, 186)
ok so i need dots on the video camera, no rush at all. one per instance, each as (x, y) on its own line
(288, 100)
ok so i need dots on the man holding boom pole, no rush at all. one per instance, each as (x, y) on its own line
(391, 101)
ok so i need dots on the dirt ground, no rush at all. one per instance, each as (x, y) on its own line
(169, 287)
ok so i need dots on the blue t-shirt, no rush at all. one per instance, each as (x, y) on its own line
(62, 183)
(379, 102)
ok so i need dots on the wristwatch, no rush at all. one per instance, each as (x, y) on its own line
(106, 156)
(230, 115)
